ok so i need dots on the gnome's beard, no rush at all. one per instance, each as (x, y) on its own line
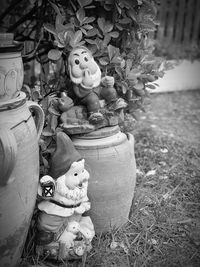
(63, 192)
(87, 80)
(61, 188)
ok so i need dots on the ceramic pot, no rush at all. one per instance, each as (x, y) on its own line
(110, 160)
(11, 67)
(19, 175)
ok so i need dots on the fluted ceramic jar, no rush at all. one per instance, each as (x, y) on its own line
(19, 174)
(11, 67)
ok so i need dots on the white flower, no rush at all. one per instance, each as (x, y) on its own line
(150, 173)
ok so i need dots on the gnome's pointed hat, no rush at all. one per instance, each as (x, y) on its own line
(64, 155)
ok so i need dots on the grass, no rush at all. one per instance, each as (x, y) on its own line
(164, 223)
(164, 220)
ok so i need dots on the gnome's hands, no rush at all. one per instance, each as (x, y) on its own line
(46, 187)
(85, 206)
(108, 81)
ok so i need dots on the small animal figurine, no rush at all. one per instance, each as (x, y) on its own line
(88, 85)
(64, 197)
(65, 102)
(56, 106)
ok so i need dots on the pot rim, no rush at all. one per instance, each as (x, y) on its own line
(14, 47)
(13, 103)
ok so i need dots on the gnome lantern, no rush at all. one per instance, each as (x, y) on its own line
(62, 232)
(88, 85)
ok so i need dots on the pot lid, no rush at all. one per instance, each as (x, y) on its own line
(7, 43)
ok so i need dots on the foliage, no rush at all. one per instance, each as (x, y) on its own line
(118, 38)
(117, 33)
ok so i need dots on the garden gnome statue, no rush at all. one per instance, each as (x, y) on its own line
(62, 232)
(88, 85)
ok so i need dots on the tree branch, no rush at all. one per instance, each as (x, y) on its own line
(24, 18)
(9, 9)
(28, 59)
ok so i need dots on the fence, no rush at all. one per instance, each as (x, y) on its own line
(179, 22)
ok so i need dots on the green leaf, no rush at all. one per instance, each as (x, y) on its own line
(103, 61)
(139, 85)
(60, 38)
(124, 21)
(66, 27)
(92, 48)
(119, 9)
(128, 66)
(84, 3)
(113, 52)
(124, 87)
(118, 26)
(106, 40)
(116, 60)
(132, 14)
(83, 30)
(56, 8)
(108, 26)
(54, 54)
(101, 23)
(92, 32)
(133, 74)
(99, 34)
(108, 7)
(148, 77)
(119, 71)
(80, 43)
(151, 86)
(90, 41)
(87, 27)
(76, 38)
(59, 22)
(114, 34)
(50, 28)
(139, 92)
(88, 20)
(80, 14)
(122, 63)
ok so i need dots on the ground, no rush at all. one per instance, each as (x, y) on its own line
(164, 224)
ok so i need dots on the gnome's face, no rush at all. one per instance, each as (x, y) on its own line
(83, 69)
(76, 177)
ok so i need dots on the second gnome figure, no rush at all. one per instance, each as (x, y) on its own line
(62, 232)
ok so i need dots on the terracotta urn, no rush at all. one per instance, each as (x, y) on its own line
(110, 159)
(11, 67)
